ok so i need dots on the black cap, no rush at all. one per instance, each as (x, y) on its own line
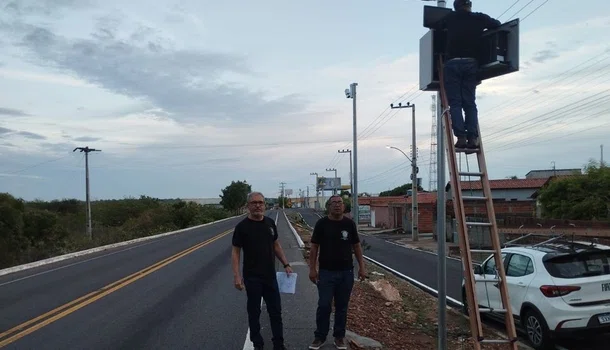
(458, 4)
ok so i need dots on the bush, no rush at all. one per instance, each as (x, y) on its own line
(31, 231)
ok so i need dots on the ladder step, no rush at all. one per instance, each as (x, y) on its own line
(487, 280)
(469, 174)
(467, 150)
(495, 341)
(483, 251)
(476, 223)
(474, 198)
(491, 310)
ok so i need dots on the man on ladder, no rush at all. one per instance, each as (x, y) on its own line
(464, 28)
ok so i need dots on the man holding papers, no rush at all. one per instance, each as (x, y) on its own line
(334, 237)
(257, 236)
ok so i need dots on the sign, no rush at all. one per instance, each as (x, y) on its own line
(287, 192)
(364, 213)
(329, 183)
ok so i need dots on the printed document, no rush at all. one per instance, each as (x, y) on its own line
(287, 284)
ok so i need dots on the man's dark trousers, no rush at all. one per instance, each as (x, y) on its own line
(266, 288)
(337, 285)
(460, 78)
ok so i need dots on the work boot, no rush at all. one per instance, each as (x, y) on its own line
(473, 143)
(461, 142)
(317, 343)
(340, 343)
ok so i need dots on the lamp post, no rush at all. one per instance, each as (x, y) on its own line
(414, 210)
(351, 93)
(316, 188)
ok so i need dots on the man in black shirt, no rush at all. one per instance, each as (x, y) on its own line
(464, 30)
(334, 237)
(257, 236)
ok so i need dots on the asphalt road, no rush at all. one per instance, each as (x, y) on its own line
(422, 267)
(188, 302)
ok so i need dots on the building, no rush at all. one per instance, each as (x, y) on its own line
(392, 212)
(545, 174)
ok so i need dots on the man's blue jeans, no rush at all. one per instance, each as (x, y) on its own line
(335, 285)
(460, 78)
(266, 288)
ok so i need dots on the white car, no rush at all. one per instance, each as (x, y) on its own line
(556, 289)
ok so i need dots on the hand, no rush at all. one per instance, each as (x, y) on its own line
(238, 283)
(362, 274)
(313, 276)
(288, 270)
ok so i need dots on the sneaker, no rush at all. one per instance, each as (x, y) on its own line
(340, 343)
(317, 343)
(461, 142)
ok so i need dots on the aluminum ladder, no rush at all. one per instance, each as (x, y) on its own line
(458, 205)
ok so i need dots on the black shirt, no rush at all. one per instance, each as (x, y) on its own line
(464, 30)
(257, 238)
(336, 238)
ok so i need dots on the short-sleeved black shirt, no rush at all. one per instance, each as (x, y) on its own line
(336, 239)
(256, 238)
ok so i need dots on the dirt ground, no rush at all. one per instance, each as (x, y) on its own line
(406, 324)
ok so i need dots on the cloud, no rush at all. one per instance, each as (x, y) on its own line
(26, 134)
(12, 112)
(189, 84)
(87, 139)
(544, 55)
(34, 177)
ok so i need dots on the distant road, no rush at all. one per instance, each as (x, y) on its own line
(168, 293)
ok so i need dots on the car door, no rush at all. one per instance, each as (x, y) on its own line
(487, 294)
(520, 272)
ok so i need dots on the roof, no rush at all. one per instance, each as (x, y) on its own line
(555, 248)
(553, 170)
(422, 198)
(503, 184)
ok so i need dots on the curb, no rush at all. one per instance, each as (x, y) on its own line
(294, 232)
(302, 218)
(102, 248)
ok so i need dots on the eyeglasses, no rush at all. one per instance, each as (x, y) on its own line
(257, 203)
(336, 202)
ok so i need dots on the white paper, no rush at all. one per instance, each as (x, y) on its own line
(287, 284)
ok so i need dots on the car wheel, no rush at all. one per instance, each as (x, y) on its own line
(537, 330)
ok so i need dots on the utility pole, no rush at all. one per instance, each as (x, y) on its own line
(335, 170)
(351, 93)
(87, 150)
(601, 159)
(440, 220)
(414, 171)
(351, 182)
(554, 170)
(317, 196)
(282, 184)
(307, 196)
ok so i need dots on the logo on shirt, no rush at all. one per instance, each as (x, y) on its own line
(344, 235)
(271, 231)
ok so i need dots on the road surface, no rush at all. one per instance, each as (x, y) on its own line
(171, 292)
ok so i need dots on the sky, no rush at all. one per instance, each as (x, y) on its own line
(183, 97)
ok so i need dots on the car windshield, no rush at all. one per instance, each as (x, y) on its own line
(578, 265)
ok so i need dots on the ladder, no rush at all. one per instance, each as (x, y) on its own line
(462, 225)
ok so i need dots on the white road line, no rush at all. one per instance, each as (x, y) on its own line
(76, 263)
(405, 247)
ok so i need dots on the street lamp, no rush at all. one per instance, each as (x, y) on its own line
(414, 188)
(351, 93)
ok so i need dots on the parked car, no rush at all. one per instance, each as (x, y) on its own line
(556, 289)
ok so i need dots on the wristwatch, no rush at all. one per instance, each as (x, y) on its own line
(286, 265)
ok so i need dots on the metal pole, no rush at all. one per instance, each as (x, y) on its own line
(355, 150)
(601, 162)
(351, 181)
(414, 187)
(89, 226)
(440, 222)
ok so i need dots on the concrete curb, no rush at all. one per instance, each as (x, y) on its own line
(296, 235)
(102, 248)
(302, 218)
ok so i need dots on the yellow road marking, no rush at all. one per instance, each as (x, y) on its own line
(85, 300)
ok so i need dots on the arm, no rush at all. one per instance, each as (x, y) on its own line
(314, 248)
(235, 261)
(358, 252)
(235, 254)
(489, 22)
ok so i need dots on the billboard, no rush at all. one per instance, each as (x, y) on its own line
(329, 183)
(287, 192)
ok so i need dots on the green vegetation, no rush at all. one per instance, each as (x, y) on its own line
(398, 191)
(235, 196)
(585, 197)
(31, 231)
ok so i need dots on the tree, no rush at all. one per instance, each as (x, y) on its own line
(585, 197)
(284, 202)
(235, 195)
(398, 191)
(513, 177)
